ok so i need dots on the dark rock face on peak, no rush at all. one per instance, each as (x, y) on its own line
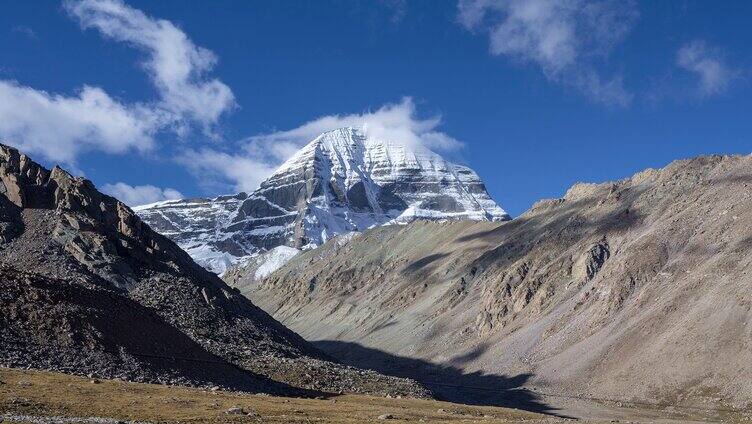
(342, 181)
(87, 287)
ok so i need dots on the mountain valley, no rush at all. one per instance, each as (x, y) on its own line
(635, 290)
(579, 306)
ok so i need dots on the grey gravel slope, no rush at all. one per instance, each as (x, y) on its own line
(636, 289)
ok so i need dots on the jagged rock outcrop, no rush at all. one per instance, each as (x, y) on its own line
(340, 182)
(636, 289)
(88, 288)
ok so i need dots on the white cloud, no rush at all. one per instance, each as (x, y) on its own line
(713, 75)
(563, 37)
(60, 127)
(176, 65)
(396, 123)
(262, 154)
(140, 195)
(214, 168)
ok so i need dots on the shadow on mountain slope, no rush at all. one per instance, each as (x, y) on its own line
(594, 214)
(79, 327)
(424, 262)
(445, 381)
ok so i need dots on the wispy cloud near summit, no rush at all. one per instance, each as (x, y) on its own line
(394, 122)
(261, 154)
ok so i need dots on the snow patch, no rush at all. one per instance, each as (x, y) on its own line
(341, 182)
(210, 258)
(274, 260)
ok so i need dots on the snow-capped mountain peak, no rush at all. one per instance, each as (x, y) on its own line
(342, 181)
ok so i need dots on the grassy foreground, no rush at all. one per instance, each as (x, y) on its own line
(46, 394)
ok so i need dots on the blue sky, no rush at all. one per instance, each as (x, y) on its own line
(152, 100)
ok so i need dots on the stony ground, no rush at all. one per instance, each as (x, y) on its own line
(52, 398)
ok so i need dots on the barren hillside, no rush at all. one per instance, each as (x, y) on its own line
(635, 289)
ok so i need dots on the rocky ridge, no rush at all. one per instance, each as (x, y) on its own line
(88, 288)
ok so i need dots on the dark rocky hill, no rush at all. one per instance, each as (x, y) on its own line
(88, 288)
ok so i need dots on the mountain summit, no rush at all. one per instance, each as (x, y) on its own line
(340, 182)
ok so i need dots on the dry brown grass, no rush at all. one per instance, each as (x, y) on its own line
(52, 394)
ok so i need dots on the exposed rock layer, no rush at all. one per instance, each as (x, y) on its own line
(342, 181)
(638, 288)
